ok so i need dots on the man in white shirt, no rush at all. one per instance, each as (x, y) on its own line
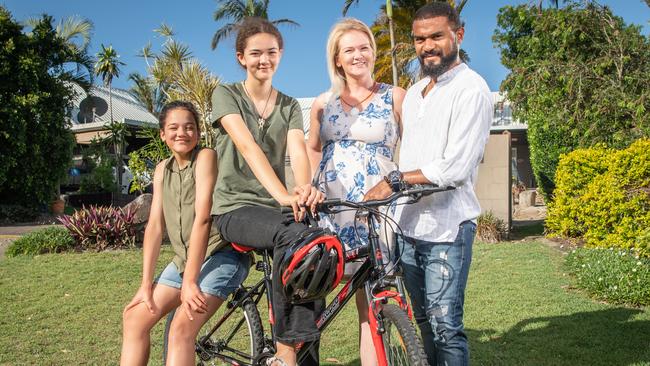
(446, 122)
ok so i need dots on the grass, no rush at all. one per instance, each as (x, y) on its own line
(65, 309)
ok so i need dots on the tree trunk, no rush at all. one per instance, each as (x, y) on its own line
(116, 145)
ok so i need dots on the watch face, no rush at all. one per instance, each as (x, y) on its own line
(395, 176)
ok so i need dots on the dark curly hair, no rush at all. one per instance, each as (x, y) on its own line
(178, 104)
(439, 9)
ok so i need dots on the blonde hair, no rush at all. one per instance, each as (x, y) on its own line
(337, 76)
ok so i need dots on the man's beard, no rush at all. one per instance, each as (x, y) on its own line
(446, 61)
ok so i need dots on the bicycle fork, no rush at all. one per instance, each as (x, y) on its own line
(375, 320)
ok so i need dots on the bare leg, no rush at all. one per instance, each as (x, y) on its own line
(138, 321)
(366, 347)
(183, 332)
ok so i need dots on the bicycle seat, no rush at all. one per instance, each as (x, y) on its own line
(246, 249)
(242, 248)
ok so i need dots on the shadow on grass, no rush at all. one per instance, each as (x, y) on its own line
(523, 229)
(606, 337)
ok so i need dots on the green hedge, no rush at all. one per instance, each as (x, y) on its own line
(603, 197)
(48, 240)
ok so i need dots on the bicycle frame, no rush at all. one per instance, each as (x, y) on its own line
(368, 276)
(371, 275)
(242, 294)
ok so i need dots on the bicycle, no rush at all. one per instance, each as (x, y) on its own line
(238, 337)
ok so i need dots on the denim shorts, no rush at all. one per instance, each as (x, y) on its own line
(221, 274)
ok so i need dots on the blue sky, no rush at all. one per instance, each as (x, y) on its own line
(128, 26)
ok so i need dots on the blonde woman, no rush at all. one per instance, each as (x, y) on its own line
(354, 131)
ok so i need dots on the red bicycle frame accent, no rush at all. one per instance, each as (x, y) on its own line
(373, 310)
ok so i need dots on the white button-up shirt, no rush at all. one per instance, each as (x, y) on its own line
(444, 136)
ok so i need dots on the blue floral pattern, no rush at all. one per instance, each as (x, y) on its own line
(357, 154)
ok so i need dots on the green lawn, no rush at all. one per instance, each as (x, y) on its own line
(65, 309)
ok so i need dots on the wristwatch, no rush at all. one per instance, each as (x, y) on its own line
(395, 180)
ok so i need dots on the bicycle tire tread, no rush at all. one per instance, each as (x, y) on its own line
(407, 331)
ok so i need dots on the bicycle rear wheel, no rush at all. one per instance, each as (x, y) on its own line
(401, 343)
(240, 338)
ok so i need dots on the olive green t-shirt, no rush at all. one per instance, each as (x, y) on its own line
(179, 194)
(236, 184)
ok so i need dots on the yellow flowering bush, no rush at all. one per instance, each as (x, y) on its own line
(603, 197)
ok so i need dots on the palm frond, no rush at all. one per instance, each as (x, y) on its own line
(347, 5)
(286, 21)
(73, 27)
(176, 52)
(230, 10)
(165, 30)
(222, 33)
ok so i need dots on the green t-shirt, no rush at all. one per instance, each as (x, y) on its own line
(178, 196)
(236, 184)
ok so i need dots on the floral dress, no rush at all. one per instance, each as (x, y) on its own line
(357, 154)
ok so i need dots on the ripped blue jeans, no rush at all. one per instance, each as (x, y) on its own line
(435, 275)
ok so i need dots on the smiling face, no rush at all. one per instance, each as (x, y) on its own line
(180, 132)
(436, 44)
(261, 56)
(355, 56)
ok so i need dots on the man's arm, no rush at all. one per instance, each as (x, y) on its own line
(465, 145)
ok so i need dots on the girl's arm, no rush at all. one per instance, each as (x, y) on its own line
(205, 178)
(314, 147)
(257, 161)
(152, 240)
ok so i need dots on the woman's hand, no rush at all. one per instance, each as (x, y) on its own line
(144, 295)
(192, 299)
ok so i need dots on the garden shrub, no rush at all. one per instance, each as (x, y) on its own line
(574, 173)
(613, 275)
(17, 213)
(490, 229)
(603, 197)
(48, 240)
(101, 228)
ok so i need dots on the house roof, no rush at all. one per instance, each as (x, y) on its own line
(91, 111)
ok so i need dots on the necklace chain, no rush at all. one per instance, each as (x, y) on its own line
(261, 121)
(372, 91)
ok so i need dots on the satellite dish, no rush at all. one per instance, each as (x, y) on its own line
(91, 108)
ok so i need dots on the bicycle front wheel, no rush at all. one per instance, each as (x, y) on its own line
(401, 343)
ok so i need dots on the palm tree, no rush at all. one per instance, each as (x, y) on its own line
(193, 82)
(108, 67)
(146, 91)
(75, 32)
(176, 75)
(234, 11)
(402, 48)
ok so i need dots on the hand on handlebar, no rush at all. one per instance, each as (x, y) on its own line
(304, 196)
(309, 196)
(380, 191)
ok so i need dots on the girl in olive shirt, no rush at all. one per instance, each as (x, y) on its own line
(205, 270)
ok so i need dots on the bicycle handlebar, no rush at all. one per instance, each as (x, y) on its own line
(415, 191)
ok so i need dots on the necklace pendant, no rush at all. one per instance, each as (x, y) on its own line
(260, 122)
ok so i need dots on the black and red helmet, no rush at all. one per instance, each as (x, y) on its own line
(313, 266)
